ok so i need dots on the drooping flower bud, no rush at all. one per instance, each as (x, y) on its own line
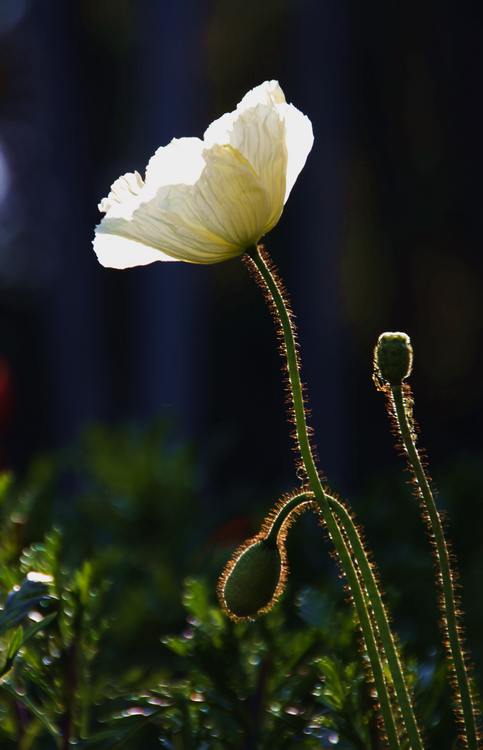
(252, 580)
(255, 577)
(393, 357)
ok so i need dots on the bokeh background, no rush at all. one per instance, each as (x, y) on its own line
(382, 232)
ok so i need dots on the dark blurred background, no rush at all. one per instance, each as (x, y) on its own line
(382, 232)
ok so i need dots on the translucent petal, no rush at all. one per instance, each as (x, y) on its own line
(299, 139)
(180, 162)
(259, 134)
(206, 201)
(225, 212)
(124, 196)
(268, 92)
(228, 200)
(114, 251)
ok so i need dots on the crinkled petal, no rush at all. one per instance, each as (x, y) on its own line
(267, 94)
(262, 125)
(259, 134)
(124, 196)
(219, 217)
(228, 200)
(207, 201)
(180, 162)
(257, 131)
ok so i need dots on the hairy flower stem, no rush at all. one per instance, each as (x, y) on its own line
(465, 704)
(296, 502)
(259, 260)
(368, 580)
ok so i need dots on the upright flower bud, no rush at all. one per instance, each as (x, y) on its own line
(393, 357)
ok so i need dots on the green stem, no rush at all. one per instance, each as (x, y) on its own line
(448, 602)
(276, 296)
(283, 514)
(382, 621)
(381, 618)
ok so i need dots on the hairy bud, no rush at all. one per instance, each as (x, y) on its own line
(252, 580)
(393, 357)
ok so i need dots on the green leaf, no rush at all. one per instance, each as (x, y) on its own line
(20, 638)
(37, 627)
(177, 645)
(195, 599)
(15, 644)
(334, 691)
(20, 602)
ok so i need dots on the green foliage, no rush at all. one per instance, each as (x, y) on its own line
(104, 643)
(251, 685)
(125, 499)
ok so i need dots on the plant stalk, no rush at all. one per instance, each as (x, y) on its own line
(448, 603)
(380, 616)
(271, 285)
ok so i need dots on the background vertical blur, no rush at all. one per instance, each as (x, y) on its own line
(382, 231)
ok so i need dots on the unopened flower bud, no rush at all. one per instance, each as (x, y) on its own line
(393, 357)
(252, 580)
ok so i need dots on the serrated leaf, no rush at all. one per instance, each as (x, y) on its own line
(334, 692)
(20, 638)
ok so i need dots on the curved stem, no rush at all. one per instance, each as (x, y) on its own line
(448, 603)
(271, 284)
(283, 513)
(368, 578)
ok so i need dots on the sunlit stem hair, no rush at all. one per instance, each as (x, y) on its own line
(393, 359)
(255, 576)
(366, 596)
(366, 570)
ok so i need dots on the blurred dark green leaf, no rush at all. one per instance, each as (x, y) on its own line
(20, 602)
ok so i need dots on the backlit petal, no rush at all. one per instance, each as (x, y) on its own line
(225, 212)
(268, 92)
(114, 251)
(207, 201)
(124, 196)
(299, 139)
(179, 163)
(249, 129)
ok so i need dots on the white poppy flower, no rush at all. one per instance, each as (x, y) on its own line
(204, 201)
